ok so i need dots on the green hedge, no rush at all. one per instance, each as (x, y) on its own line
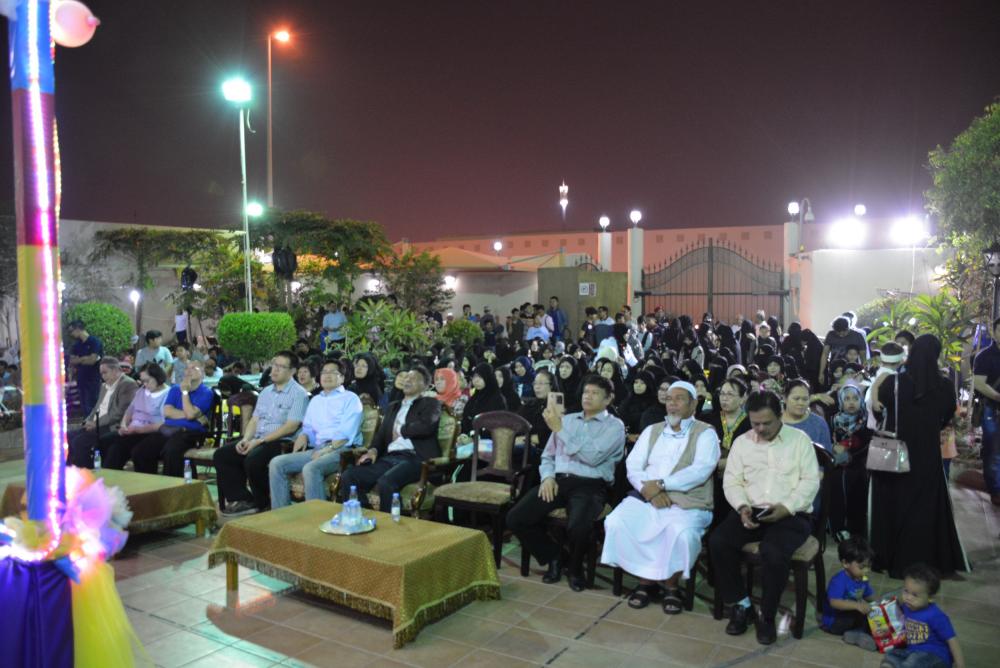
(462, 332)
(107, 322)
(255, 337)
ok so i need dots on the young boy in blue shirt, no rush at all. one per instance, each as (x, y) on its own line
(930, 639)
(848, 595)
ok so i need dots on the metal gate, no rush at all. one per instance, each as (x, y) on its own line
(718, 278)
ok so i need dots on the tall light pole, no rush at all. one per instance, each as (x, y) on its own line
(282, 36)
(238, 91)
(564, 198)
(804, 211)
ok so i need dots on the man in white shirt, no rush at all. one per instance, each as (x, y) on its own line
(332, 424)
(771, 480)
(655, 532)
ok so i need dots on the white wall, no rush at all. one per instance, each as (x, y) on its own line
(834, 281)
(501, 290)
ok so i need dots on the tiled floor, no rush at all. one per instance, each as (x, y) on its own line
(178, 608)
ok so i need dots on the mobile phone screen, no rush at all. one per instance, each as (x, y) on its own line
(556, 400)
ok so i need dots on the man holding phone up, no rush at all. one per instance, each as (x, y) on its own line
(771, 480)
(577, 467)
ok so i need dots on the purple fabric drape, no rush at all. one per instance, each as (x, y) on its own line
(37, 629)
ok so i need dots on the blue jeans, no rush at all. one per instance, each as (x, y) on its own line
(911, 658)
(991, 449)
(313, 473)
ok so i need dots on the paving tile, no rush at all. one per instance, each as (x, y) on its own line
(149, 628)
(677, 649)
(504, 612)
(278, 642)
(281, 608)
(466, 629)
(650, 617)
(616, 636)
(230, 657)
(430, 651)
(482, 658)
(386, 662)
(180, 648)
(151, 600)
(330, 654)
(186, 613)
(522, 589)
(556, 622)
(528, 645)
(581, 603)
(580, 655)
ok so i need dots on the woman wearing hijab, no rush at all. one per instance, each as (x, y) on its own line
(794, 345)
(691, 348)
(911, 514)
(568, 378)
(448, 390)
(610, 370)
(368, 378)
(748, 342)
(642, 396)
(485, 397)
(849, 478)
(812, 356)
(523, 376)
(727, 341)
(505, 381)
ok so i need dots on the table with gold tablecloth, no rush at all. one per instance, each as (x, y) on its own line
(411, 573)
(157, 501)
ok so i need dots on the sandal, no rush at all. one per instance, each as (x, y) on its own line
(639, 598)
(672, 602)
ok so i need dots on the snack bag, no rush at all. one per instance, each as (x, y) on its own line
(886, 623)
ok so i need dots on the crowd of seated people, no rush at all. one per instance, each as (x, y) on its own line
(679, 433)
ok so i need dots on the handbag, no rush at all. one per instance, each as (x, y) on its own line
(886, 452)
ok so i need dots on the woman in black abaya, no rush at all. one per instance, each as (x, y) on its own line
(911, 513)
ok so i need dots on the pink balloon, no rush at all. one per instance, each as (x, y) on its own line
(72, 23)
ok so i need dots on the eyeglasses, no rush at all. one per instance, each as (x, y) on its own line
(728, 394)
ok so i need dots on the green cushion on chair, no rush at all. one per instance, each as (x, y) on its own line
(492, 493)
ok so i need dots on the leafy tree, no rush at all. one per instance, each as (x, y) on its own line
(462, 332)
(255, 337)
(147, 248)
(384, 329)
(348, 248)
(108, 323)
(417, 281)
(965, 196)
(943, 315)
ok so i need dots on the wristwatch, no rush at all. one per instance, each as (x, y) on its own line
(185, 393)
(661, 485)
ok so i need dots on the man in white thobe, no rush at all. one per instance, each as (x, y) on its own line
(655, 533)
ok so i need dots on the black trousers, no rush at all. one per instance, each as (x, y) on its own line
(390, 473)
(846, 620)
(233, 471)
(148, 452)
(82, 444)
(583, 499)
(120, 450)
(849, 498)
(778, 541)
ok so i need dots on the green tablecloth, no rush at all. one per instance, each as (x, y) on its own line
(412, 573)
(157, 502)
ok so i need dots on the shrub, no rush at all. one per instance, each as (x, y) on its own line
(385, 330)
(107, 322)
(462, 332)
(255, 337)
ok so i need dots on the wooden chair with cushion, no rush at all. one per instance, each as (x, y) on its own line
(810, 555)
(490, 498)
(369, 425)
(202, 453)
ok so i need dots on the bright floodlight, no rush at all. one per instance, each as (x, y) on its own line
(635, 216)
(134, 297)
(860, 210)
(374, 284)
(604, 221)
(847, 233)
(450, 282)
(909, 231)
(282, 36)
(296, 286)
(255, 209)
(236, 90)
(793, 208)
(497, 246)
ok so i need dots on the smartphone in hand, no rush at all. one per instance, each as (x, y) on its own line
(556, 401)
(760, 512)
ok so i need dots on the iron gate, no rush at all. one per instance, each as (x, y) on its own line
(718, 278)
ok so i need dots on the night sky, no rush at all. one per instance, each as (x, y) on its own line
(441, 117)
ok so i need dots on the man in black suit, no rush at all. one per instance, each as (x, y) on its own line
(406, 438)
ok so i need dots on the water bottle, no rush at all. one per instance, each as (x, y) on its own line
(97, 460)
(396, 507)
(188, 475)
(353, 496)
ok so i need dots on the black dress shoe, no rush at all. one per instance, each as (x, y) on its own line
(577, 583)
(554, 574)
(767, 633)
(739, 619)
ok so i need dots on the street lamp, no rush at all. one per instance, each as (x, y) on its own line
(134, 296)
(497, 246)
(255, 209)
(635, 216)
(860, 210)
(284, 37)
(804, 211)
(992, 257)
(604, 222)
(238, 91)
